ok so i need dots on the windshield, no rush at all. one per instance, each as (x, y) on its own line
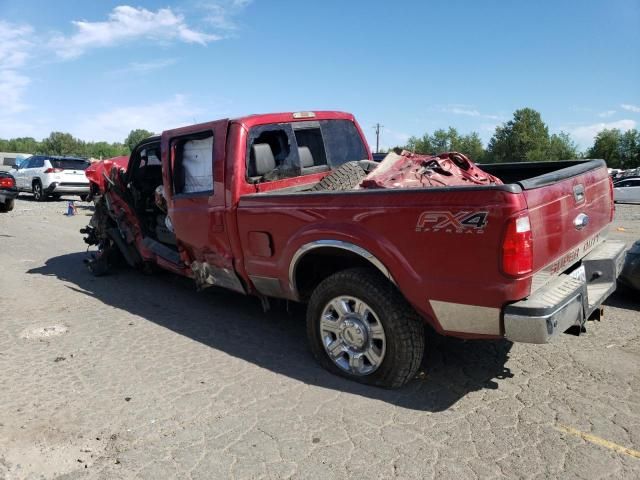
(70, 164)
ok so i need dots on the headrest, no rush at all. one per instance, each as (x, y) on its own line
(261, 160)
(306, 159)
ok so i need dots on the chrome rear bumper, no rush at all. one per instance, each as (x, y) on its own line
(565, 301)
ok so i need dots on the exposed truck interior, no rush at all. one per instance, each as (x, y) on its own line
(146, 187)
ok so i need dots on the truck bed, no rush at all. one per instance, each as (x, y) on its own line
(435, 267)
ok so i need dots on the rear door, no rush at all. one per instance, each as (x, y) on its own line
(193, 170)
(569, 211)
(23, 174)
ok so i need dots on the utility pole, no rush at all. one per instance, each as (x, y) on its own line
(378, 127)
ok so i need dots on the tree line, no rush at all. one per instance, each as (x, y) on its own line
(60, 143)
(526, 138)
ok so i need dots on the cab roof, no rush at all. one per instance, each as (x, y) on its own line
(303, 116)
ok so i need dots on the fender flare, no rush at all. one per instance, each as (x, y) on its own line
(307, 247)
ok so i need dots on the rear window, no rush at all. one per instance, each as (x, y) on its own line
(277, 151)
(69, 164)
(342, 142)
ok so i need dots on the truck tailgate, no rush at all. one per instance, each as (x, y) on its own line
(569, 212)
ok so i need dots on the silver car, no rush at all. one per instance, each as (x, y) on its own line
(627, 190)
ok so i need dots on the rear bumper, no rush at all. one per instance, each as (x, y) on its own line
(56, 187)
(565, 301)
(8, 195)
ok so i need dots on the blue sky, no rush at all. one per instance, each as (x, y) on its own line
(98, 69)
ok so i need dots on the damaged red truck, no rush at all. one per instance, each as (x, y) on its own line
(291, 206)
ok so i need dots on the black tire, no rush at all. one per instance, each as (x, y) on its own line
(84, 197)
(38, 192)
(403, 327)
(7, 206)
(345, 177)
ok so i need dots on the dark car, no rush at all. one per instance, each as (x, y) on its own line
(8, 191)
(630, 275)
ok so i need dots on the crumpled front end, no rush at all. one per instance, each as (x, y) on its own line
(104, 172)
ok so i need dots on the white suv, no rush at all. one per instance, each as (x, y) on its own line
(46, 176)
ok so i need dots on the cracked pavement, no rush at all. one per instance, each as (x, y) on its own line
(135, 376)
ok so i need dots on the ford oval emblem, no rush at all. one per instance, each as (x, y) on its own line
(581, 221)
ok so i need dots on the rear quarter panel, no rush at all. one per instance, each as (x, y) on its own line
(444, 264)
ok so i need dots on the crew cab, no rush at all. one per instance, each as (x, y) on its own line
(291, 206)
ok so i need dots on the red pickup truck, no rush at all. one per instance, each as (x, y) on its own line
(291, 206)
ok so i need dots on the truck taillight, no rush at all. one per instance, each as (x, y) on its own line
(517, 247)
(7, 182)
(613, 205)
(53, 170)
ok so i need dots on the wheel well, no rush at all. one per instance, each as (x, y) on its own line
(35, 180)
(321, 263)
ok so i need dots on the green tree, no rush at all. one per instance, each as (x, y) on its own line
(106, 150)
(524, 138)
(446, 141)
(135, 137)
(59, 143)
(607, 147)
(471, 146)
(562, 147)
(420, 145)
(629, 149)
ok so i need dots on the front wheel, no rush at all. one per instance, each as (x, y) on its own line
(360, 327)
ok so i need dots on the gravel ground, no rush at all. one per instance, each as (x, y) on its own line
(134, 376)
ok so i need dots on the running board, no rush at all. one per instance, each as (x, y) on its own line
(163, 251)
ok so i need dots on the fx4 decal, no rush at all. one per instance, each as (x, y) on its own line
(460, 222)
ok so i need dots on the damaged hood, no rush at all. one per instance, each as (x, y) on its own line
(97, 172)
(411, 170)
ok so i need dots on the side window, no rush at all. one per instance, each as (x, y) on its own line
(272, 153)
(634, 183)
(192, 160)
(310, 145)
(39, 162)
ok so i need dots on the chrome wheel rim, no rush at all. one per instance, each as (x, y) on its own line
(37, 191)
(352, 335)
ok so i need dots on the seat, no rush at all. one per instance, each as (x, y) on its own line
(261, 160)
(306, 159)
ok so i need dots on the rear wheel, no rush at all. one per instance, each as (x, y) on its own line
(360, 327)
(38, 192)
(6, 206)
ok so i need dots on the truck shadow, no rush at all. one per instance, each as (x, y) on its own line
(624, 297)
(236, 325)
